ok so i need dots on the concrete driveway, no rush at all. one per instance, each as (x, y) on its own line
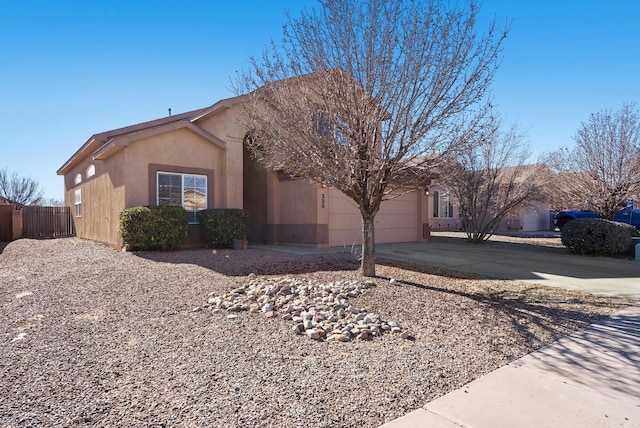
(547, 266)
(552, 266)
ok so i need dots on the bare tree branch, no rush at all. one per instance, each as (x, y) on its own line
(493, 180)
(362, 95)
(602, 171)
(18, 190)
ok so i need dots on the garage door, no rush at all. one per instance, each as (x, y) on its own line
(397, 220)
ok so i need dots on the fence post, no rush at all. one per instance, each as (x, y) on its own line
(16, 223)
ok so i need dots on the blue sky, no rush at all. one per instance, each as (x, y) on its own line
(70, 69)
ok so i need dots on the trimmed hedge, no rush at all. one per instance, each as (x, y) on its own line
(220, 226)
(596, 236)
(154, 228)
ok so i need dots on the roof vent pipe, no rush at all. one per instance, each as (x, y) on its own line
(169, 111)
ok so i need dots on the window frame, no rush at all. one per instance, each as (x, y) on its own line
(332, 130)
(440, 198)
(192, 214)
(77, 195)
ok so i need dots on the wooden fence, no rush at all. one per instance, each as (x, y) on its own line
(47, 222)
(6, 223)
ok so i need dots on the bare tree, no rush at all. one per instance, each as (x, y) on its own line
(493, 180)
(602, 171)
(18, 190)
(51, 202)
(358, 94)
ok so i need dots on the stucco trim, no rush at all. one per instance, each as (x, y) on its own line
(107, 150)
(153, 174)
(222, 104)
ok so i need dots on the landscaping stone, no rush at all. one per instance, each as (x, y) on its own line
(314, 308)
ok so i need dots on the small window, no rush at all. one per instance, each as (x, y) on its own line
(183, 190)
(442, 205)
(91, 171)
(78, 202)
(78, 178)
(335, 129)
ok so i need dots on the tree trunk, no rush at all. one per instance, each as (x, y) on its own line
(368, 262)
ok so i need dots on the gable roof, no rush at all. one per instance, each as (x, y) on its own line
(104, 144)
(525, 172)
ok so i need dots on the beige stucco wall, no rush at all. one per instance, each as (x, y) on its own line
(294, 212)
(225, 126)
(179, 148)
(298, 202)
(103, 198)
(16, 224)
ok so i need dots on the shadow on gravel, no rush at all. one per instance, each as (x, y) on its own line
(259, 262)
(431, 270)
(526, 307)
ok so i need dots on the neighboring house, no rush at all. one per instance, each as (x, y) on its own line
(533, 219)
(197, 159)
(444, 214)
(538, 216)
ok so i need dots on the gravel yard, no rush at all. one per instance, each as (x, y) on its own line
(94, 336)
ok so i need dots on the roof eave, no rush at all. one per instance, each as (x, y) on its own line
(222, 104)
(75, 158)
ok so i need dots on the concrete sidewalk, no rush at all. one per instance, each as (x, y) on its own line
(588, 379)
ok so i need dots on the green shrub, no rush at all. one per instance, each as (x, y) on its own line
(222, 225)
(596, 236)
(153, 228)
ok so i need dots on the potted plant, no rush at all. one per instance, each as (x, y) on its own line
(240, 244)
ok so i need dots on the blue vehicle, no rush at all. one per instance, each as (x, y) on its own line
(627, 215)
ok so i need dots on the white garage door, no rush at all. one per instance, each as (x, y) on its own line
(397, 220)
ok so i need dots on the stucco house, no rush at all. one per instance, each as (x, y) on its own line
(197, 159)
(444, 214)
